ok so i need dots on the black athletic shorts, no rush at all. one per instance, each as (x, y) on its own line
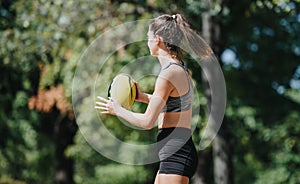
(176, 152)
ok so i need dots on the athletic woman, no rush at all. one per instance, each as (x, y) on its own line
(171, 102)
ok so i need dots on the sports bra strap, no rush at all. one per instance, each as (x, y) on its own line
(175, 63)
(180, 103)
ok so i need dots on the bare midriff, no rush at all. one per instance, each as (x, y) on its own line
(175, 119)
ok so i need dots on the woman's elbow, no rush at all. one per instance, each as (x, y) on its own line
(150, 119)
(149, 125)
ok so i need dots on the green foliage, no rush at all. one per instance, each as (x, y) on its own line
(42, 41)
(117, 174)
(10, 181)
(102, 170)
(262, 111)
(24, 152)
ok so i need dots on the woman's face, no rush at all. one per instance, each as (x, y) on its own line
(152, 43)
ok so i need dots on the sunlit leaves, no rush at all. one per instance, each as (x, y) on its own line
(42, 41)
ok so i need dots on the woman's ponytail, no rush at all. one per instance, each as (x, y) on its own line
(195, 41)
(173, 28)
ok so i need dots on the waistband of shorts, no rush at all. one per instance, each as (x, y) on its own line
(171, 129)
(174, 132)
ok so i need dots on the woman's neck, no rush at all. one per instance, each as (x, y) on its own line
(165, 58)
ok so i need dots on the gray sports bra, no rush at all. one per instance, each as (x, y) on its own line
(180, 103)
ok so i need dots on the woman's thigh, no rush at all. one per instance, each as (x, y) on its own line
(171, 178)
(156, 179)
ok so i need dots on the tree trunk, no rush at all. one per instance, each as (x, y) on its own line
(204, 174)
(222, 157)
(222, 167)
(64, 132)
(204, 169)
(61, 129)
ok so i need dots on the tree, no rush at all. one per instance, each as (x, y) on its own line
(259, 75)
(257, 43)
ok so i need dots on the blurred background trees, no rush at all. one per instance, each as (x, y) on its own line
(258, 46)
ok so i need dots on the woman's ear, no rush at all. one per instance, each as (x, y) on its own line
(158, 39)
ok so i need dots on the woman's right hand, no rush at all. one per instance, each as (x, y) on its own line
(140, 96)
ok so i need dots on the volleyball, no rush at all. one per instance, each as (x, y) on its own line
(123, 89)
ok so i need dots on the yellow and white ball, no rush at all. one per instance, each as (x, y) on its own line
(123, 89)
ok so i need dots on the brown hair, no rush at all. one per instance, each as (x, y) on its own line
(172, 28)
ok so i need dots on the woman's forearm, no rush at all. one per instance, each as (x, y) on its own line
(145, 98)
(142, 120)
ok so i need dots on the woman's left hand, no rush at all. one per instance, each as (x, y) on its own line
(107, 106)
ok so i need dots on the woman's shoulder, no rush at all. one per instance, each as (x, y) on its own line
(172, 72)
